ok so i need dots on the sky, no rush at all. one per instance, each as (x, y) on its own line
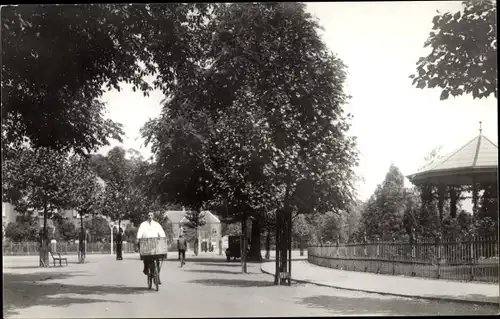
(395, 123)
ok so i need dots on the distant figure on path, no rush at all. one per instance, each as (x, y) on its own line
(119, 242)
(182, 246)
(149, 229)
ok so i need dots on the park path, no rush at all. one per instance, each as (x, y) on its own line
(304, 271)
(206, 287)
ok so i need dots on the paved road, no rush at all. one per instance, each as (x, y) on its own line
(207, 287)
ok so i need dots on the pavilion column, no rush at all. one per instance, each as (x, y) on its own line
(475, 198)
(441, 196)
(453, 201)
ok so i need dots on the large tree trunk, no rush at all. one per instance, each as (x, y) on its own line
(44, 247)
(196, 241)
(244, 244)
(255, 244)
(81, 242)
(277, 248)
(283, 242)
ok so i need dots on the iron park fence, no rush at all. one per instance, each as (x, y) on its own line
(65, 248)
(472, 259)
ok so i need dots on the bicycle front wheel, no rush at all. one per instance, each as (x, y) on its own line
(150, 276)
(156, 276)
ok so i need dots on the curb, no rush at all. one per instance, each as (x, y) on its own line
(476, 302)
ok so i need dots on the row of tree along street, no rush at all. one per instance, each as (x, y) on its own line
(253, 125)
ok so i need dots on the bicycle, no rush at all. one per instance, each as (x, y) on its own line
(155, 249)
(154, 271)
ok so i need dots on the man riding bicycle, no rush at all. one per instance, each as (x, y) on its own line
(149, 229)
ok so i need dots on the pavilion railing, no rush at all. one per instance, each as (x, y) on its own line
(473, 259)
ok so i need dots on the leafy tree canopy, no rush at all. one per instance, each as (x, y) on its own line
(37, 179)
(59, 59)
(24, 229)
(463, 59)
(268, 118)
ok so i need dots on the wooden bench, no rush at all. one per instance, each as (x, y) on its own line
(60, 259)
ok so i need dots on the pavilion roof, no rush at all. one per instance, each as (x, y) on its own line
(476, 159)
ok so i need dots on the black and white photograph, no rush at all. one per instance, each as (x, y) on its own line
(250, 159)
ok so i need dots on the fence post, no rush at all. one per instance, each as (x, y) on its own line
(394, 248)
(365, 253)
(364, 246)
(472, 257)
(413, 252)
(438, 256)
(338, 244)
(378, 254)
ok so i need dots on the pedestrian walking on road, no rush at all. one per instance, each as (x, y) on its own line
(182, 246)
(119, 242)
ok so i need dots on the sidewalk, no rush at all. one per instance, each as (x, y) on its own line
(303, 271)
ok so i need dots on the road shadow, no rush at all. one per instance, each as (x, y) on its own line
(218, 264)
(213, 271)
(28, 290)
(233, 282)
(26, 267)
(196, 259)
(12, 265)
(393, 306)
(473, 297)
(225, 263)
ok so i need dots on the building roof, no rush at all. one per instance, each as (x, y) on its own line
(476, 159)
(209, 218)
(175, 216)
(179, 216)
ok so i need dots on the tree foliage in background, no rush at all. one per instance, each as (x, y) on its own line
(165, 223)
(65, 230)
(130, 233)
(24, 229)
(384, 213)
(86, 191)
(230, 229)
(98, 229)
(36, 179)
(302, 230)
(118, 192)
(125, 195)
(262, 128)
(463, 59)
(55, 79)
(39, 180)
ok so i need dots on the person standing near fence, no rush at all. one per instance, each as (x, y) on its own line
(119, 242)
